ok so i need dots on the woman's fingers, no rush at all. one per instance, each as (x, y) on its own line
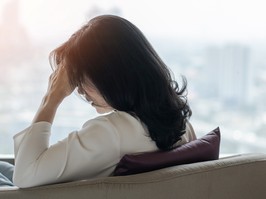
(59, 85)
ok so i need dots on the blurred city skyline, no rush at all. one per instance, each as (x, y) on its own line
(226, 77)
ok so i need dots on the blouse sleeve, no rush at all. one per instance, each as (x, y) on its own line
(87, 153)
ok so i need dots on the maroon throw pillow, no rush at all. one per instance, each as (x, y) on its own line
(203, 149)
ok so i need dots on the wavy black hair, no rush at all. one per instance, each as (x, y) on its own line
(121, 63)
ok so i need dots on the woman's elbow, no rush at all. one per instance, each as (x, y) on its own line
(23, 180)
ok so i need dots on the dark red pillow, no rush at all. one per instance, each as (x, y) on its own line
(199, 150)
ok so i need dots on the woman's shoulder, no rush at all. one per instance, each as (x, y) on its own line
(188, 136)
(111, 118)
(121, 123)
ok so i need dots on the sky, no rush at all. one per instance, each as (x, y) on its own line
(206, 20)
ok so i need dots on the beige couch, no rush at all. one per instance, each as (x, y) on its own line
(234, 177)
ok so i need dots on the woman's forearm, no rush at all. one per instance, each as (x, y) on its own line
(46, 111)
(58, 89)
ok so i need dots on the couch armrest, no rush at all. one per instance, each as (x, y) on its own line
(7, 158)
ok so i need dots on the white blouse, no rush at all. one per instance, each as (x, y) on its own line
(93, 151)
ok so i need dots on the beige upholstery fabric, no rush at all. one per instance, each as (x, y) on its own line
(236, 177)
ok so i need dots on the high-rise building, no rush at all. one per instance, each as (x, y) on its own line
(228, 74)
(15, 45)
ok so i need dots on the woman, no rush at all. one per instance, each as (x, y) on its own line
(111, 64)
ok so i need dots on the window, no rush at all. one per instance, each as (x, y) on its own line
(219, 45)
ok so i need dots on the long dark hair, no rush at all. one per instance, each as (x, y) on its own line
(121, 63)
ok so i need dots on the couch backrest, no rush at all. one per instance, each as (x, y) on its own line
(237, 177)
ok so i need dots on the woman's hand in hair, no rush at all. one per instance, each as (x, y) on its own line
(59, 86)
(58, 89)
